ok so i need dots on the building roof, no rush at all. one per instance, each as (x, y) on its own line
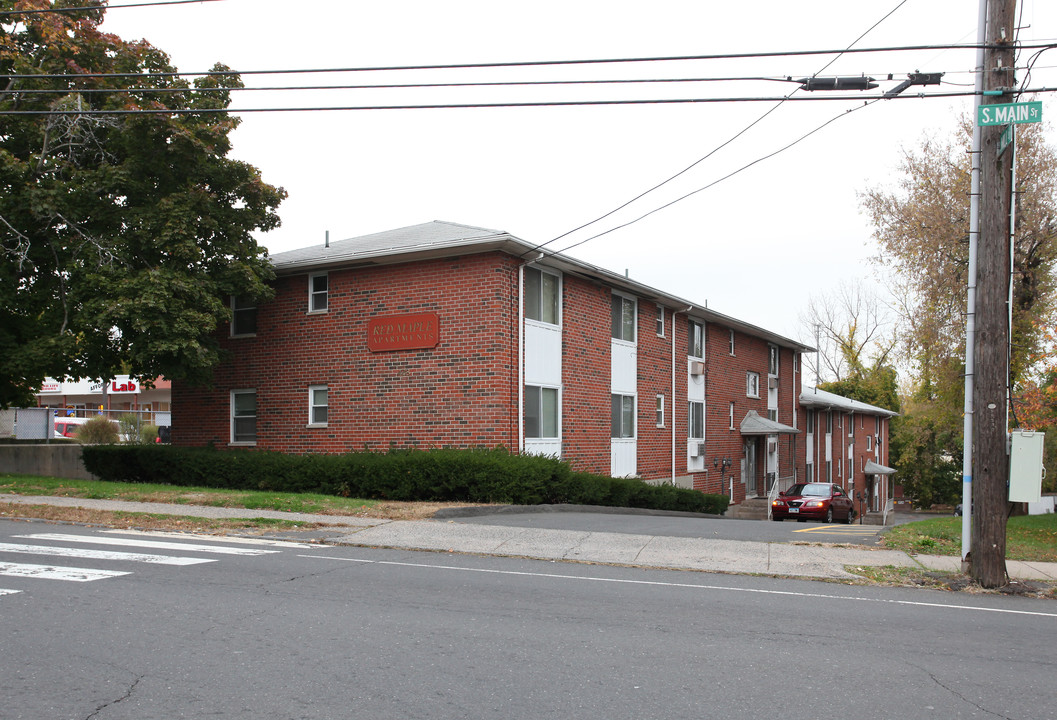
(814, 398)
(754, 424)
(439, 239)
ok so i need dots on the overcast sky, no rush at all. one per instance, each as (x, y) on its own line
(756, 246)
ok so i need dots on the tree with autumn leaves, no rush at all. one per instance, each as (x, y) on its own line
(922, 231)
(123, 233)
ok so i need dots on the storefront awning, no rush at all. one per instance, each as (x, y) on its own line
(873, 468)
(753, 424)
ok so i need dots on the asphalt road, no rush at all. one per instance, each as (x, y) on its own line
(342, 632)
(666, 524)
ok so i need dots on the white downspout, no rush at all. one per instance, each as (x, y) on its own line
(521, 359)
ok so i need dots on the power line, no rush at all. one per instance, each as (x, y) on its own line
(399, 86)
(531, 63)
(719, 180)
(6, 13)
(464, 106)
(718, 147)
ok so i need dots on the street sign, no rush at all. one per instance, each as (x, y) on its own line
(1005, 141)
(1006, 113)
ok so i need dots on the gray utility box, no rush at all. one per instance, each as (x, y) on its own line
(1025, 466)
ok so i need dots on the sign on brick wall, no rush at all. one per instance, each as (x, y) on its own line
(403, 332)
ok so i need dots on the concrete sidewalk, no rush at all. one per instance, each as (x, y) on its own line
(653, 551)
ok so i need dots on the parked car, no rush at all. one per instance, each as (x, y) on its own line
(67, 427)
(824, 502)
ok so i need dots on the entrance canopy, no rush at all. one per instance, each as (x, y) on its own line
(873, 468)
(753, 424)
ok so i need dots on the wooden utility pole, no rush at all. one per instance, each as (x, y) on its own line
(990, 459)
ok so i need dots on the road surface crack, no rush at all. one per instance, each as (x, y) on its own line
(958, 695)
(125, 696)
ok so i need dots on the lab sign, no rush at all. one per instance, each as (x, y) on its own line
(1009, 113)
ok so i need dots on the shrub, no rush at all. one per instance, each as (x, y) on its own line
(479, 475)
(97, 431)
(148, 434)
(128, 426)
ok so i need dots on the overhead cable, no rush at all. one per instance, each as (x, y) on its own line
(161, 110)
(535, 63)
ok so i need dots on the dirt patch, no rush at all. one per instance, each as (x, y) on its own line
(143, 521)
(951, 582)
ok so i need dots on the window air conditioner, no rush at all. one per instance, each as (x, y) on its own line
(697, 448)
(697, 367)
(772, 383)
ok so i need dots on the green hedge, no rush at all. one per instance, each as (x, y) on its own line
(477, 476)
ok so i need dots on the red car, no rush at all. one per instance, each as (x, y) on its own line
(824, 502)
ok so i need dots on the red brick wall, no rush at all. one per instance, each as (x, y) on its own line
(461, 393)
(586, 374)
(726, 382)
(655, 378)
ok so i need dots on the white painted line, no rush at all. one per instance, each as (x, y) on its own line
(692, 586)
(157, 545)
(8, 592)
(215, 538)
(102, 554)
(52, 572)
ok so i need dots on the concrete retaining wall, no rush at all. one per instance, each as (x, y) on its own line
(58, 460)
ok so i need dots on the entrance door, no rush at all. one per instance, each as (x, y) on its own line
(751, 489)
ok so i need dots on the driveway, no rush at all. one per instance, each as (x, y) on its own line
(674, 525)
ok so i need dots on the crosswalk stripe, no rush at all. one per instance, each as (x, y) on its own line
(102, 554)
(212, 538)
(8, 592)
(158, 545)
(54, 572)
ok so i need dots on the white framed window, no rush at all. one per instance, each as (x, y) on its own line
(809, 470)
(318, 292)
(772, 359)
(809, 421)
(243, 316)
(622, 416)
(541, 412)
(244, 417)
(623, 318)
(829, 425)
(542, 296)
(660, 321)
(732, 415)
(318, 405)
(696, 339)
(772, 414)
(869, 442)
(732, 342)
(752, 384)
(696, 422)
(851, 425)
(660, 411)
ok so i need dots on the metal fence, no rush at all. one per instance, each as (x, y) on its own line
(39, 423)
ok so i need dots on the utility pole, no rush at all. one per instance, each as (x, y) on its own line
(991, 380)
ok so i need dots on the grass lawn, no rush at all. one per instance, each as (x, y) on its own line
(1028, 537)
(286, 502)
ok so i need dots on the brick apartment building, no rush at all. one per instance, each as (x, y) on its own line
(847, 443)
(449, 335)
